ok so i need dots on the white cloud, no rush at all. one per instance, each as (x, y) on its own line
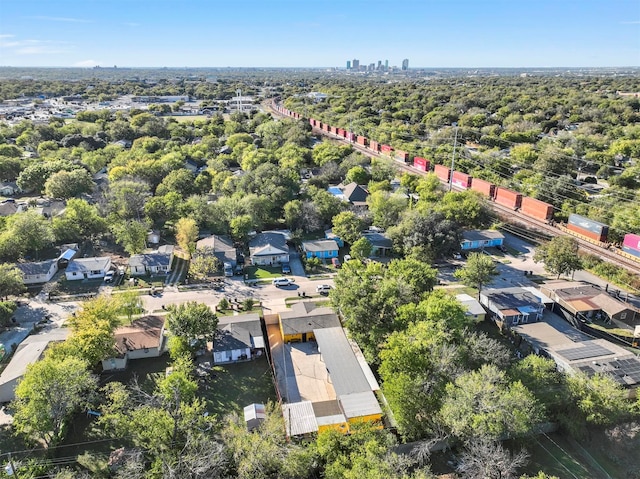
(86, 64)
(61, 19)
(40, 50)
(631, 22)
(6, 35)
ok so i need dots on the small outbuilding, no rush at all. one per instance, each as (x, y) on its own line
(472, 306)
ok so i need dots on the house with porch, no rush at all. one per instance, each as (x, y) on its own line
(88, 268)
(155, 262)
(322, 249)
(238, 338)
(38, 272)
(269, 249)
(143, 338)
(512, 306)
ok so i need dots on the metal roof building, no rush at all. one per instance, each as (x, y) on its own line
(352, 388)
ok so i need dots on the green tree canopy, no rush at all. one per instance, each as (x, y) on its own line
(560, 255)
(192, 320)
(478, 271)
(484, 403)
(49, 393)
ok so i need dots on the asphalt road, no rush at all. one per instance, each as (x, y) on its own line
(272, 297)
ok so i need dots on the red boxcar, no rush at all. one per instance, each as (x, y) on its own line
(334, 130)
(441, 172)
(461, 180)
(312, 122)
(350, 136)
(507, 197)
(536, 208)
(421, 163)
(342, 132)
(362, 140)
(484, 187)
(386, 149)
(326, 127)
(374, 145)
(602, 237)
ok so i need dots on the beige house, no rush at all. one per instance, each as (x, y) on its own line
(143, 338)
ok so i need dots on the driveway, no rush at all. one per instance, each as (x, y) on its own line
(29, 314)
(297, 269)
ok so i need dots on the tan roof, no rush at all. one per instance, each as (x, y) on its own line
(142, 333)
(582, 305)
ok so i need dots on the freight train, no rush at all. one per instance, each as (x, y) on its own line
(579, 226)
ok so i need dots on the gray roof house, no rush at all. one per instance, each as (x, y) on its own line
(154, 262)
(88, 268)
(238, 338)
(512, 306)
(381, 245)
(221, 246)
(472, 306)
(39, 272)
(269, 249)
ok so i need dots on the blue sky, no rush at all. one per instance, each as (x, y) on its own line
(309, 33)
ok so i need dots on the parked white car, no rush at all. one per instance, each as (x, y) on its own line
(282, 282)
(323, 288)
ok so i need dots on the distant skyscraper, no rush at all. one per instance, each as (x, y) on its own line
(405, 64)
(379, 67)
(348, 64)
(355, 64)
(386, 65)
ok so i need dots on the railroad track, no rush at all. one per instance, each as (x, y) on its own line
(505, 213)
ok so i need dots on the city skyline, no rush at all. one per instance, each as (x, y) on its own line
(287, 33)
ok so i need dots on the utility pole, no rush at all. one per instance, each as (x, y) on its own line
(453, 156)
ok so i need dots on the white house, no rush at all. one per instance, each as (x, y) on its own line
(269, 249)
(40, 272)
(155, 262)
(88, 268)
(143, 338)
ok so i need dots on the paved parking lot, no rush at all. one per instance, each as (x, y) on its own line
(300, 374)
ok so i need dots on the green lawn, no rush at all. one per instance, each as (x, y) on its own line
(237, 385)
(263, 272)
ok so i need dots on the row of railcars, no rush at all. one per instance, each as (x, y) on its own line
(578, 225)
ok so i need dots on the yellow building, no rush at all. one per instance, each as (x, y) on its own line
(351, 384)
(299, 322)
